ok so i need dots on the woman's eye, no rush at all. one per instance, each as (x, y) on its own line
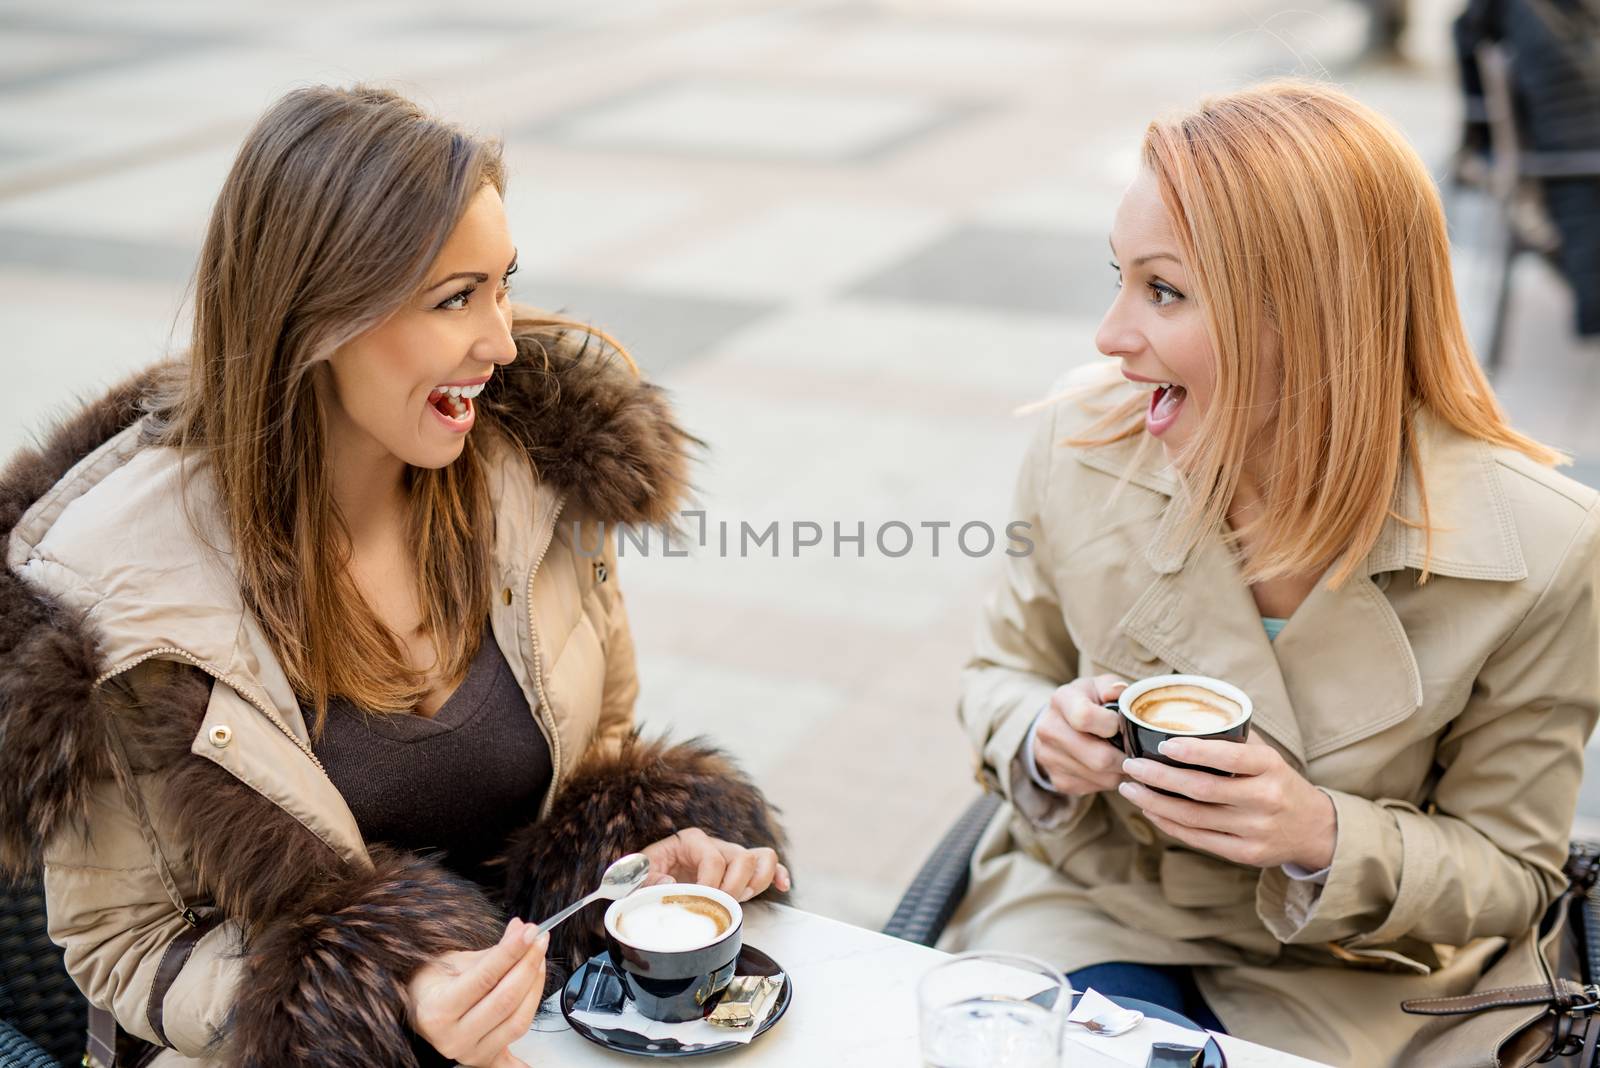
(1163, 295)
(457, 302)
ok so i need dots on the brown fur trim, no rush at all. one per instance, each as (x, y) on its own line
(256, 862)
(590, 426)
(52, 727)
(326, 987)
(619, 802)
(327, 946)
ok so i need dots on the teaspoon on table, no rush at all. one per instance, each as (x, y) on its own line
(622, 878)
(1112, 1022)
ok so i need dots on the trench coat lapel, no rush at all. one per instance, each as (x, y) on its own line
(1199, 617)
(1343, 667)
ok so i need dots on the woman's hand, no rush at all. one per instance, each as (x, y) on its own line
(1070, 745)
(472, 1004)
(1267, 815)
(693, 856)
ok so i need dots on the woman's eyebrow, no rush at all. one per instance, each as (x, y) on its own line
(476, 276)
(1142, 260)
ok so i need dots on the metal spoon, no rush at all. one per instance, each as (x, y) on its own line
(621, 879)
(1112, 1022)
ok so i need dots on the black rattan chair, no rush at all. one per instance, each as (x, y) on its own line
(932, 898)
(42, 1013)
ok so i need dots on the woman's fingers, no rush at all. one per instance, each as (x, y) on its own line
(1107, 688)
(766, 871)
(1084, 714)
(740, 880)
(710, 864)
(501, 1002)
(492, 964)
(1204, 786)
(517, 1024)
(1254, 757)
(1223, 819)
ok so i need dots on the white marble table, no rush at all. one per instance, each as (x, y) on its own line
(830, 962)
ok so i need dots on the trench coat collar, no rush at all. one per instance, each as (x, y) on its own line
(1198, 616)
(1474, 535)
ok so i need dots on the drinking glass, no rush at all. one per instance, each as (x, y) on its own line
(992, 1010)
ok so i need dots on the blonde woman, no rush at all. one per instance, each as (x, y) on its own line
(1290, 475)
(310, 670)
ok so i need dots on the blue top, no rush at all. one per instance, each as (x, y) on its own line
(1274, 625)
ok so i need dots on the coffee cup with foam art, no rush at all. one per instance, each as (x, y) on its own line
(675, 946)
(1179, 706)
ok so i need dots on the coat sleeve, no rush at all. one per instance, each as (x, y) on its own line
(1485, 857)
(1022, 650)
(300, 957)
(111, 912)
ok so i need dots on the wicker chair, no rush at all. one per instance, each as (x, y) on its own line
(42, 1014)
(933, 895)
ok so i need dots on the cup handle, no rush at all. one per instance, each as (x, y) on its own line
(1118, 738)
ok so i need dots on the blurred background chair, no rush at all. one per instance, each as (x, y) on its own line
(939, 886)
(1530, 146)
(42, 1014)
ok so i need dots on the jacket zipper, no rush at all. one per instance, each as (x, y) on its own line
(189, 657)
(546, 714)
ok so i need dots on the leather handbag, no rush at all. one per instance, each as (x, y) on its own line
(1508, 1022)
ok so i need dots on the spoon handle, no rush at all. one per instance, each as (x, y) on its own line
(565, 913)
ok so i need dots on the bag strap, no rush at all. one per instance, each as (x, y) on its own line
(102, 1051)
(1565, 996)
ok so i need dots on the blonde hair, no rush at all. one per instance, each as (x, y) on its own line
(1302, 211)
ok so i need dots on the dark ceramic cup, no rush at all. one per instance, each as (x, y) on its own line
(673, 985)
(1140, 738)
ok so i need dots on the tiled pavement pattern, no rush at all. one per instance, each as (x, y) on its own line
(851, 237)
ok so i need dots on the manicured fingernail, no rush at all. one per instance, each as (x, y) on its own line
(745, 894)
(1171, 747)
(1126, 789)
(1127, 766)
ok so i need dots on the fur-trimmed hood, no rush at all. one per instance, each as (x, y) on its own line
(140, 701)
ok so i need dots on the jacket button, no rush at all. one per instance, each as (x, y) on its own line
(600, 571)
(221, 735)
(1141, 830)
(505, 595)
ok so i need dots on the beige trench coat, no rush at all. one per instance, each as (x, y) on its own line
(1446, 721)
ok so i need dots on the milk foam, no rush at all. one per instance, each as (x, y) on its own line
(667, 928)
(1185, 708)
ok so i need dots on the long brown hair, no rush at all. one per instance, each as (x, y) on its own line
(336, 206)
(1303, 211)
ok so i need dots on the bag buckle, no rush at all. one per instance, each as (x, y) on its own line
(1588, 1006)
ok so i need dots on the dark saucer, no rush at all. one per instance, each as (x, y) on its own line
(1212, 1056)
(601, 980)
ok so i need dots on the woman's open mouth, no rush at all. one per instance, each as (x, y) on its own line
(453, 405)
(1166, 401)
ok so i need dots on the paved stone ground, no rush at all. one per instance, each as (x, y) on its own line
(850, 237)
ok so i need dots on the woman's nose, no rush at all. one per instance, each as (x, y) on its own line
(497, 345)
(1116, 336)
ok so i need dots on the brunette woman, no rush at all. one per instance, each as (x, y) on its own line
(310, 671)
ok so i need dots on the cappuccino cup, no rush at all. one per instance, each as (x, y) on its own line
(675, 946)
(1179, 706)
